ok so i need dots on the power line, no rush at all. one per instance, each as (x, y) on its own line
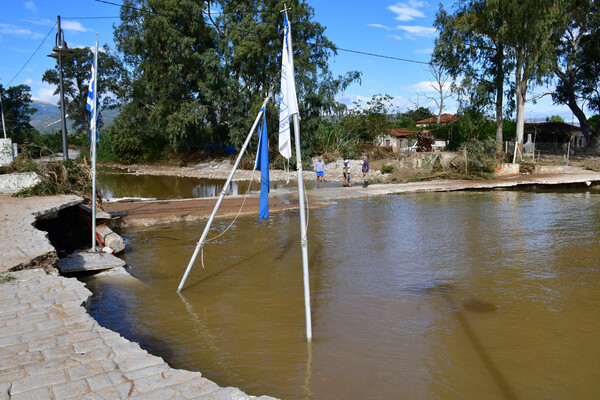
(29, 59)
(246, 32)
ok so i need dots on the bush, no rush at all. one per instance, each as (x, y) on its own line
(387, 169)
(23, 163)
(481, 157)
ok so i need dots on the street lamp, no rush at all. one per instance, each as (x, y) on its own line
(61, 49)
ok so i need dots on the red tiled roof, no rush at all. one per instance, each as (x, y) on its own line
(401, 132)
(443, 119)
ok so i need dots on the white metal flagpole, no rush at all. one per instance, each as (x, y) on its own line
(94, 123)
(222, 195)
(301, 199)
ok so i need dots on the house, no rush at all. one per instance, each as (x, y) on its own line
(554, 136)
(397, 139)
(444, 119)
(403, 139)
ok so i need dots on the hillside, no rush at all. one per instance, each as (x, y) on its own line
(47, 118)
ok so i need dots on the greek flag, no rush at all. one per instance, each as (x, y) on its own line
(92, 102)
(288, 104)
(262, 165)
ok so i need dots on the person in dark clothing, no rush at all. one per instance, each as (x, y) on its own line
(365, 171)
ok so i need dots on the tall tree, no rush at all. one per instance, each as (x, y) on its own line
(76, 75)
(16, 102)
(470, 46)
(578, 66)
(249, 42)
(531, 26)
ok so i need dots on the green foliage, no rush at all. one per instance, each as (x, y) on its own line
(16, 102)
(387, 169)
(368, 120)
(76, 75)
(6, 278)
(481, 157)
(22, 163)
(555, 118)
(333, 141)
(471, 125)
(593, 121)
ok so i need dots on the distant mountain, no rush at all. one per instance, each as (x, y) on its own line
(47, 118)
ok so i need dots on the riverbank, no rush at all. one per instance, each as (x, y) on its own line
(50, 347)
(157, 212)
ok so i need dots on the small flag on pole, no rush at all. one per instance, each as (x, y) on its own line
(262, 165)
(92, 102)
(288, 104)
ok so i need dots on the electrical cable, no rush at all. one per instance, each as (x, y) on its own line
(29, 59)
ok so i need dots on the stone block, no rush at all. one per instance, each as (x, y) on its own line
(35, 382)
(91, 369)
(72, 389)
(41, 393)
(132, 362)
(109, 379)
(110, 238)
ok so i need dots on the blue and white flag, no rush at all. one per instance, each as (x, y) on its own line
(262, 165)
(288, 104)
(92, 101)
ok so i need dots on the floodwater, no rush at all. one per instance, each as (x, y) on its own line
(462, 295)
(114, 183)
(130, 185)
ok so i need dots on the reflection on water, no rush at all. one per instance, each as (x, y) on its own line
(166, 187)
(113, 185)
(444, 295)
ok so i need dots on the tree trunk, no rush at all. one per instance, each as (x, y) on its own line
(499, 81)
(521, 89)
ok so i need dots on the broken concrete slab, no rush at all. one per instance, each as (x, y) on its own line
(100, 215)
(88, 261)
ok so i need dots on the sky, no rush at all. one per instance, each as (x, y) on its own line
(401, 29)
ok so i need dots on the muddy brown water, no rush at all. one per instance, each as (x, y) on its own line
(114, 183)
(471, 295)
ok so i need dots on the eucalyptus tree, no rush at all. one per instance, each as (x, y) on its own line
(199, 69)
(76, 75)
(578, 66)
(530, 36)
(470, 47)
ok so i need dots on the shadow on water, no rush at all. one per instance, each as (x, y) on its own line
(481, 306)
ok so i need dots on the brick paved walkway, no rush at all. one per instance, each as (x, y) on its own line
(50, 347)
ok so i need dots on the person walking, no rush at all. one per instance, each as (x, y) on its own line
(346, 172)
(320, 171)
(365, 171)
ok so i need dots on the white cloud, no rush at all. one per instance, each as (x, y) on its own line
(72, 26)
(28, 81)
(420, 31)
(30, 5)
(14, 30)
(38, 21)
(427, 88)
(387, 28)
(412, 31)
(46, 94)
(407, 12)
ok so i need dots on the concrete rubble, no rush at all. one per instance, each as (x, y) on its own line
(83, 261)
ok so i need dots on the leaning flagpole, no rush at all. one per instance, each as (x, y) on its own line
(222, 195)
(94, 135)
(301, 193)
